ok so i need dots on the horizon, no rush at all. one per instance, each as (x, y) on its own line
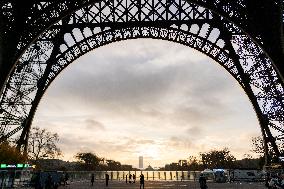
(133, 166)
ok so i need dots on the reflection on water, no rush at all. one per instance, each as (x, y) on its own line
(148, 175)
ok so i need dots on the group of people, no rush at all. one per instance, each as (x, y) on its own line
(132, 179)
(274, 182)
(47, 181)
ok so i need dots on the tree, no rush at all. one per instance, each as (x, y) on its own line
(193, 163)
(248, 162)
(89, 161)
(10, 155)
(113, 165)
(43, 144)
(218, 159)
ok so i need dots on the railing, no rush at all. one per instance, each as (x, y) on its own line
(148, 175)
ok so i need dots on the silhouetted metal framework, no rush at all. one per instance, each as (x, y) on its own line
(38, 39)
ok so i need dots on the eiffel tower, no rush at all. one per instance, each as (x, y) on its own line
(39, 38)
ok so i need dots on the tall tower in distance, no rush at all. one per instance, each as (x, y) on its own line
(140, 162)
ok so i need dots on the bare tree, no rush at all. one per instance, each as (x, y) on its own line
(43, 144)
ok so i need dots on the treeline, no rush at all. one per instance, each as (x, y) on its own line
(207, 160)
(44, 153)
(90, 161)
(215, 159)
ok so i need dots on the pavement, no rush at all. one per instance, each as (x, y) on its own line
(162, 185)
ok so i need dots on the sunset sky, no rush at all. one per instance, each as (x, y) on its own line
(153, 98)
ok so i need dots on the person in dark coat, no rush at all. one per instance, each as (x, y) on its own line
(141, 181)
(92, 179)
(130, 176)
(66, 178)
(37, 182)
(49, 182)
(107, 179)
(202, 182)
(134, 178)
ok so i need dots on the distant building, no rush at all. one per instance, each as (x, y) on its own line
(182, 162)
(149, 168)
(140, 162)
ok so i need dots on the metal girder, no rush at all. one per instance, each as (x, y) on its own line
(46, 36)
(38, 15)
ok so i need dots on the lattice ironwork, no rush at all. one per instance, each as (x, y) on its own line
(219, 29)
(42, 14)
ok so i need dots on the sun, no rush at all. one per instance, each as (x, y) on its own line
(150, 151)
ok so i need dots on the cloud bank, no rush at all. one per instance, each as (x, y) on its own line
(153, 98)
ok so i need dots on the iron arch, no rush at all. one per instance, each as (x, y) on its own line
(102, 23)
(23, 27)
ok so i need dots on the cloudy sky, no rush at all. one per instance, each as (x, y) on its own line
(153, 98)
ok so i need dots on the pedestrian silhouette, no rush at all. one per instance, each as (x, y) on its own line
(141, 181)
(202, 181)
(66, 178)
(107, 179)
(182, 177)
(93, 179)
(126, 178)
(49, 182)
(37, 180)
(134, 178)
(130, 176)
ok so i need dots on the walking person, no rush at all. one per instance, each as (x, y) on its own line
(141, 181)
(134, 178)
(130, 176)
(267, 179)
(107, 179)
(182, 177)
(126, 176)
(66, 178)
(37, 181)
(49, 182)
(202, 182)
(93, 179)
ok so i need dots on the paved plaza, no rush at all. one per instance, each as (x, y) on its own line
(162, 185)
